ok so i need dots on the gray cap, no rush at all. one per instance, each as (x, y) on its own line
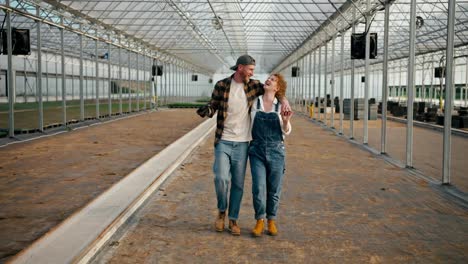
(244, 60)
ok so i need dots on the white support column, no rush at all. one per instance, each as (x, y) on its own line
(367, 76)
(342, 83)
(450, 85)
(410, 86)
(319, 83)
(109, 76)
(332, 85)
(96, 62)
(10, 76)
(64, 92)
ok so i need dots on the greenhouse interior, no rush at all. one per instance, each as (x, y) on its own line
(387, 76)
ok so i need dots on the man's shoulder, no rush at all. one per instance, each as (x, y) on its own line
(255, 83)
(223, 82)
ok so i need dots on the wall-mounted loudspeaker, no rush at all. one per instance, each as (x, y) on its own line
(358, 46)
(194, 78)
(295, 71)
(157, 70)
(438, 72)
(20, 41)
(363, 78)
(210, 80)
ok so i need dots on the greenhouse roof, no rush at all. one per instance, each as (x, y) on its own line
(210, 35)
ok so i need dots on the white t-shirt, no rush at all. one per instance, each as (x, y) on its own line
(237, 123)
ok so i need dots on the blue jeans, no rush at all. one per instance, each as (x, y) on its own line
(229, 169)
(267, 166)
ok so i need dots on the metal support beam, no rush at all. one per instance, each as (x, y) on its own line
(332, 85)
(319, 84)
(383, 140)
(367, 80)
(81, 78)
(10, 85)
(96, 61)
(120, 80)
(410, 86)
(315, 77)
(138, 81)
(342, 83)
(129, 81)
(109, 77)
(448, 94)
(64, 92)
(326, 82)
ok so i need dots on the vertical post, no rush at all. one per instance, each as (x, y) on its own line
(332, 85)
(342, 83)
(466, 80)
(383, 140)
(431, 91)
(96, 62)
(145, 79)
(325, 89)
(56, 78)
(410, 86)
(81, 78)
(309, 103)
(448, 94)
(138, 81)
(10, 88)
(423, 77)
(303, 104)
(315, 77)
(62, 53)
(367, 80)
(351, 103)
(165, 82)
(129, 81)
(120, 78)
(109, 76)
(319, 84)
(47, 76)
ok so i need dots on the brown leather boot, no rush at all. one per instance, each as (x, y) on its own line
(272, 230)
(258, 229)
(234, 227)
(219, 224)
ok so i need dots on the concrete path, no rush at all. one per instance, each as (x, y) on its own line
(340, 204)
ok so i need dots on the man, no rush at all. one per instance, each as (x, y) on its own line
(232, 98)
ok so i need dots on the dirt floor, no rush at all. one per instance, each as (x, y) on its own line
(340, 204)
(427, 147)
(44, 181)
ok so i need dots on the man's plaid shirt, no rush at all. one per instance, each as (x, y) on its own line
(220, 97)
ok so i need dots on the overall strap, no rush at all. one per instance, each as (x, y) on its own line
(258, 103)
(276, 107)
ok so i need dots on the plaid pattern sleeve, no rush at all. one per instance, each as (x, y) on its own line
(220, 97)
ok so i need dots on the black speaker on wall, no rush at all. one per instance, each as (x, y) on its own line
(438, 72)
(363, 78)
(210, 80)
(159, 70)
(20, 41)
(194, 78)
(295, 71)
(358, 46)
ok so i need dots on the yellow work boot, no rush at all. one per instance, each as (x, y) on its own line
(272, 231)
(219, 224)
(234, 227)
(258, 229)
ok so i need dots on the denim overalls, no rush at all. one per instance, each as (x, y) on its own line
(266, 154)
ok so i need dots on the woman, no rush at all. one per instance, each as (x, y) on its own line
(266, 152)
